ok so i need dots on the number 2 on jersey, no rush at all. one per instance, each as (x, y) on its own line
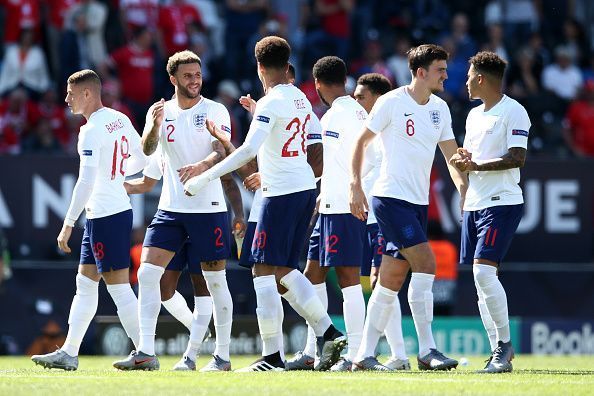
(298, 128)
(124, 152)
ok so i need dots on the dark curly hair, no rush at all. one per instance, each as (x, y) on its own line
(330, 70)
(377, 83)
(486, 62)
(273, 52)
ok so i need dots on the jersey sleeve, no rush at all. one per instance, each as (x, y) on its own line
(314, 132)
(222, 120)
(379, 117)
(89, 148)
(153, 167)
(264, 117)
(517, 127)
(332, 129)
(447, 132)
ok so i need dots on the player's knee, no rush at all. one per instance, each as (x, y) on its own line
(348, 276)
(200, 287)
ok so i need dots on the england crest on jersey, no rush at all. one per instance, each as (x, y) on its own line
(435, 118)
(199, 120)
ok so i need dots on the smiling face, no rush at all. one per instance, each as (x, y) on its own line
(435, 75)
(188, 80)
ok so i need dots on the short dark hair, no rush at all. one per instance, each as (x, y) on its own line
(273, 52)
(181, 58)
(424, 55)
(486, 62)
(291, 71)
(377, 83)
(330, 70)
(85, 76)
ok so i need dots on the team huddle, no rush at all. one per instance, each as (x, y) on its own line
(372, 154)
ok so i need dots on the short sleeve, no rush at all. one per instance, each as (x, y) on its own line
(153, 167)
(220, 116)
(380, 116)
(518, 127)
(89, 148)
(314, 131)
(264, 116)
(447, 132)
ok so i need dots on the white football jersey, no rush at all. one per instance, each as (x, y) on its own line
(284, 114)
(154, 165)
(373, 156)
(106, 141)
(489, 135)
(341, 126)
(185, 140)
(409, 133)
(314, 135)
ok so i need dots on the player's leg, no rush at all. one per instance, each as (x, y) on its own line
(210, 243)
(495, 229)
(120, 290)
(171, 299)
(163, 238)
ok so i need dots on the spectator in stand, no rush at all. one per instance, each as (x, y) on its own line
(372, 61)
(335, 29)
(16, 117)
(174, 20)
(213, 23)
(135, 14)
(228, 94)
(243, 17)
(465, 44)
(74, 53)
(563, 78)
(42, 140)
(455, 88)
(19, 15)
(135, 66)
(574, 39)
(519, 19)
(398, 63)
(579, 131)
(54, 111)
(56, 13)
(495, 41)
(24, 65)
(95, 15)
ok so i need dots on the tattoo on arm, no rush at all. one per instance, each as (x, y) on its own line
(515, 158)
(233, 194)
(248, 169)
(150, 143)
(217, 155)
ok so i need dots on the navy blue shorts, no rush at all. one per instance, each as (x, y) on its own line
(487, 233)
(185, 257)
(403, 224)
(341, 240)
(245, 258)
(282, 228)
(313, 249)
(106, 242)
(208, 233)
(373, 248)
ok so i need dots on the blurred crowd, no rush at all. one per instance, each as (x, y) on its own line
(548, 44)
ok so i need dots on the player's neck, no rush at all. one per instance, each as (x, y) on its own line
(93, 107)
(187, 103)
(334, 94)
(271, 80)
(418, 92)
(490, 99)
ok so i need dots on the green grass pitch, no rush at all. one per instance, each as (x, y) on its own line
(533, 375)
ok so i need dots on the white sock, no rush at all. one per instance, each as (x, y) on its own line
(200, 321)
(267, 300)
(486, 318)
(353, 310)
(125, 300)
(308, 302)
(393, 332)
(216, 281)
(495, 298)
(149, 304)
(281, 335)
(379, 311)
(420, 300)
(310, 346)
(82, 311)
(178, 308)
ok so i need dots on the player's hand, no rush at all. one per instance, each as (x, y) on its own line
(187, 172)
(248, 103)
(252, 182)
(195, 184)
(64, 237)
(239, 227)
(358, 202)
(215, 132)
(158, 112)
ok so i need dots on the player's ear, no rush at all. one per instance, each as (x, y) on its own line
(173, 80)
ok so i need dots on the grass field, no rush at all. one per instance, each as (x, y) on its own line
(533, 375)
